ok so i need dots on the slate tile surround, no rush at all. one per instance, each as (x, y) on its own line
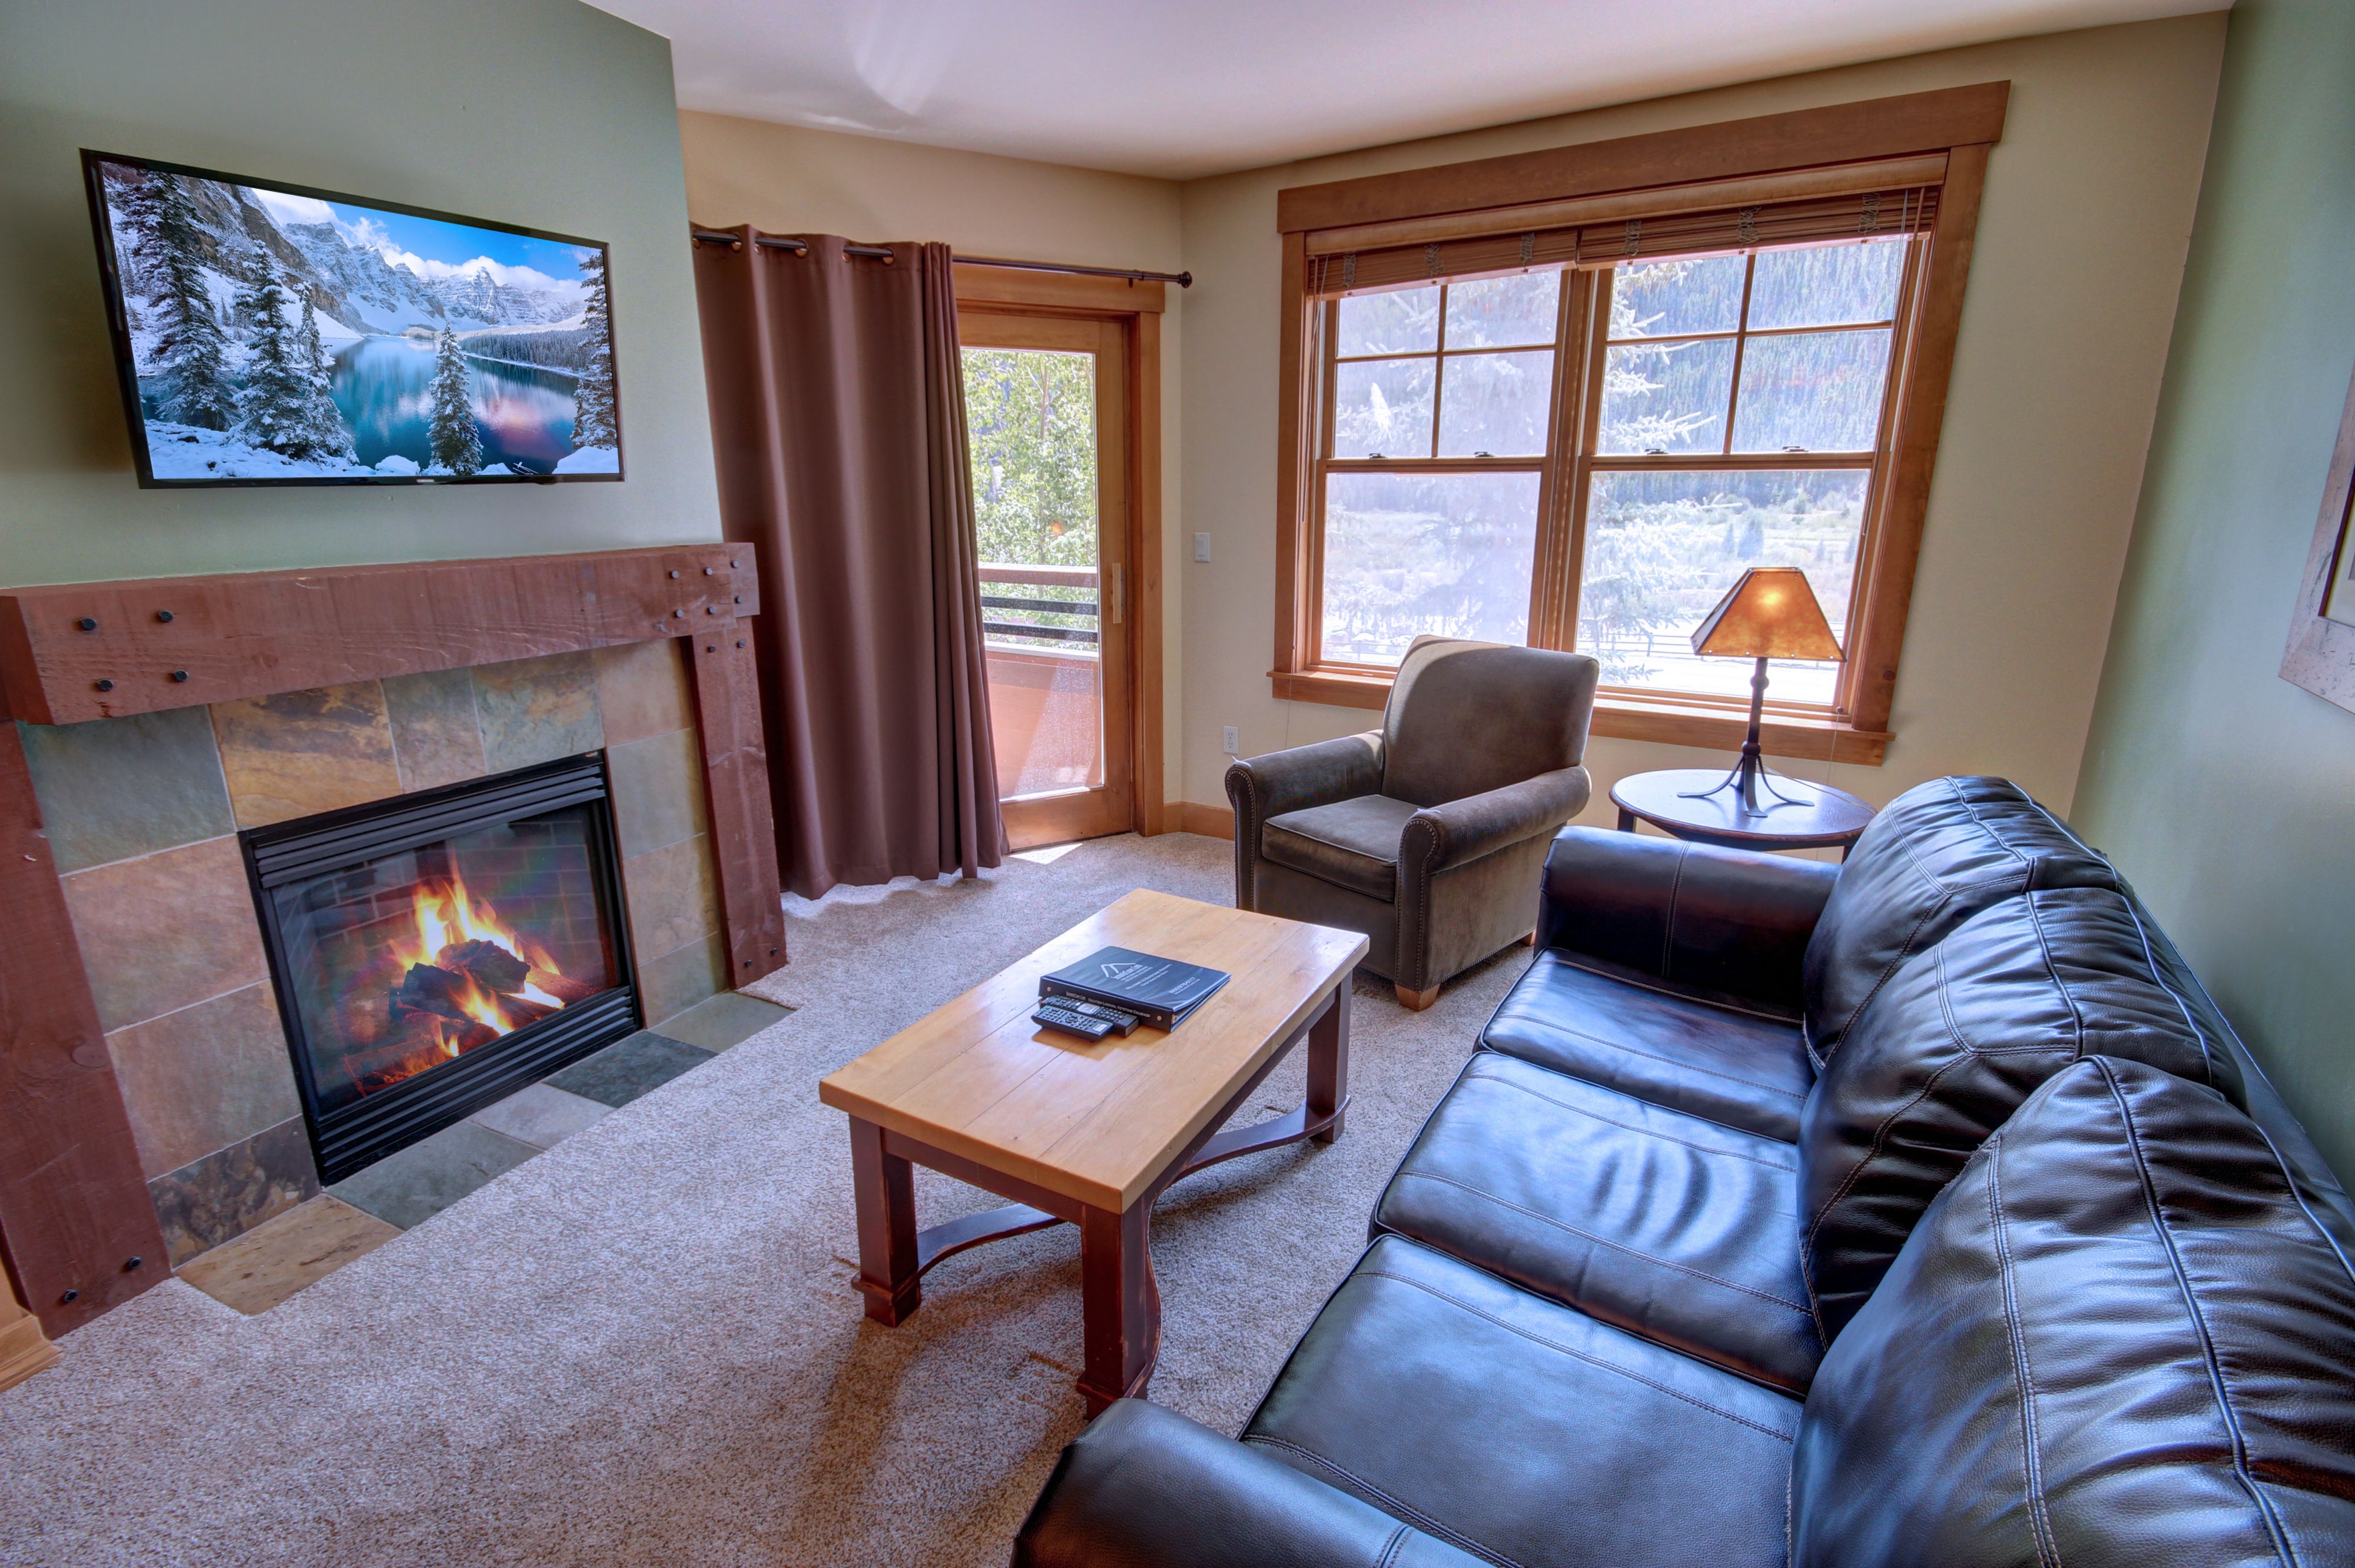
(410, 1186)
(143, 813)
(294, 754)
(164, 931)
(229, 1192)
(204, 1077)
(119, 788)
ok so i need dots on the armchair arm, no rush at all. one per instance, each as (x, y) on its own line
(1259, 788)
(1145, 1487)
(1455, 831)
(1728, 920)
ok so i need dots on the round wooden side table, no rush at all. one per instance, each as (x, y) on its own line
(1816, 817)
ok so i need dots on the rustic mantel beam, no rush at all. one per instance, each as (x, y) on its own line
(86, 651)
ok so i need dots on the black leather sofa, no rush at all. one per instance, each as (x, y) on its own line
(1920, 1210)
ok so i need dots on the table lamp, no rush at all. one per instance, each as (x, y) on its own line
(1769, 614)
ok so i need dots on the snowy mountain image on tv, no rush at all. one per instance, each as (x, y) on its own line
(273, 334)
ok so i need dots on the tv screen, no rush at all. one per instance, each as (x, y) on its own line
(273, 334)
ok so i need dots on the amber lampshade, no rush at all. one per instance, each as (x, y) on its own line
(1771, 613)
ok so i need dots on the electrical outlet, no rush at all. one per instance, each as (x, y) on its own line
(1231, 738)
(1201, 548)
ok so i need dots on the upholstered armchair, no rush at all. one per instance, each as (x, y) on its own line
(1430, 833)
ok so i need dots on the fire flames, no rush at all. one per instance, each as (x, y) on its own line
(467, 978)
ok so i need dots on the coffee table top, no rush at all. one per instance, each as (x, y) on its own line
(1098, 1122)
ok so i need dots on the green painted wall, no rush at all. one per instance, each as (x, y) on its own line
(541, 113)
(2226, 793)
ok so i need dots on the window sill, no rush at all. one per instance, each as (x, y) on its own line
(1627, 718)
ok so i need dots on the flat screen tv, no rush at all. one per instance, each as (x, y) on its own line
(275, 334)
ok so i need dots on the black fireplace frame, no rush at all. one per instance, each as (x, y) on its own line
(349, 1139)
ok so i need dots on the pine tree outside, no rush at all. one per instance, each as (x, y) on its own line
(1030, 418)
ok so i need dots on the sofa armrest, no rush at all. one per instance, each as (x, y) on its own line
(1734, 921)
(1259, 788)
(1457, 831)
(1145, 1487)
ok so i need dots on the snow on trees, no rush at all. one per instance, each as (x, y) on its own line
(595, 422)
(284, 375)
(327, 421)
(191, 351)
(455, 443)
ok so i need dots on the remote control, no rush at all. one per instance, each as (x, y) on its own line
(1064, 1021)
(1122, 1024)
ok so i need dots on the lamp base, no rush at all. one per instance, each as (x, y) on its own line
(1749, 774)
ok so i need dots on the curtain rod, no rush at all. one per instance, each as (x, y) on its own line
(883, 252)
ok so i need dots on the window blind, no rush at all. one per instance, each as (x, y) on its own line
(1649, 225)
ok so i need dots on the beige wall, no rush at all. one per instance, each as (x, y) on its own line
(2081, 251)
(789, 180)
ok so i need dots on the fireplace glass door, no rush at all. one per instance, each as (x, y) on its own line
(443, 950)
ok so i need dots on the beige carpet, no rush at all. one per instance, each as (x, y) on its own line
(643, 1347)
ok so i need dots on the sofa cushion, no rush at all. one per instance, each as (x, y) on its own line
(1743, 1066)
(1352, 843)
(1670, 1227)
(2116, 1337)
(1954, 1042)
(1522, 1430)
(1930, 860)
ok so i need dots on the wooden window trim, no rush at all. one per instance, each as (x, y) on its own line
(1957, 123)
(1135, 309)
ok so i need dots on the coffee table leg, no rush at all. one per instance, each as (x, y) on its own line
(886, 1187)
(1328, 1066)
(1119, 1305)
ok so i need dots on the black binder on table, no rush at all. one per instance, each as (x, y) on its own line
(1160, 991)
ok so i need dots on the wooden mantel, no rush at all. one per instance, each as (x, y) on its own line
(74, 1209)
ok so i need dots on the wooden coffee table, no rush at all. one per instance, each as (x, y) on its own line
(1090, 1134)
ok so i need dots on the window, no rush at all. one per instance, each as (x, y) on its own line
(1580, 434)
(1738, 409)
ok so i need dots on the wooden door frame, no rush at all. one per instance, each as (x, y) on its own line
(1135, 310)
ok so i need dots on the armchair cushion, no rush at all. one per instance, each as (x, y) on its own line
(1353, 843)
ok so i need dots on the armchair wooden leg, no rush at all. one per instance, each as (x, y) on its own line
(1416, 1001)
(1531, 940)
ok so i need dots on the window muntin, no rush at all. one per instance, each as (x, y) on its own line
(1445, 435)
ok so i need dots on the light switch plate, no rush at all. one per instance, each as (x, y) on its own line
(1201, 546)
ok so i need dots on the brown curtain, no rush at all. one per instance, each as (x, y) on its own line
(838, 409)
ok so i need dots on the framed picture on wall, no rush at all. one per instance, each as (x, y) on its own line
(2321, 652)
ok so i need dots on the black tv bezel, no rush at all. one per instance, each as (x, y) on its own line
(126, 364)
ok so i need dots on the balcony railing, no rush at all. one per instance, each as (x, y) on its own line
(998, 607)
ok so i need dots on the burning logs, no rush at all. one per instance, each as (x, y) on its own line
(497, 969)
(563, 989)
(482, 986)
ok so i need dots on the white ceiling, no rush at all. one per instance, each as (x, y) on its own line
(1207, 86)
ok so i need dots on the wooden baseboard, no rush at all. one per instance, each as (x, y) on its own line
(24, 1349)
(1210, 822)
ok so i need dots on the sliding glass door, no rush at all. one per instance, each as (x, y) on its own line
(1045, 409)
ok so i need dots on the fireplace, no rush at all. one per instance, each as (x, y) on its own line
(437, 952)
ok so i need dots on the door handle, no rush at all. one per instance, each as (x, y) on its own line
(1115, 595)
